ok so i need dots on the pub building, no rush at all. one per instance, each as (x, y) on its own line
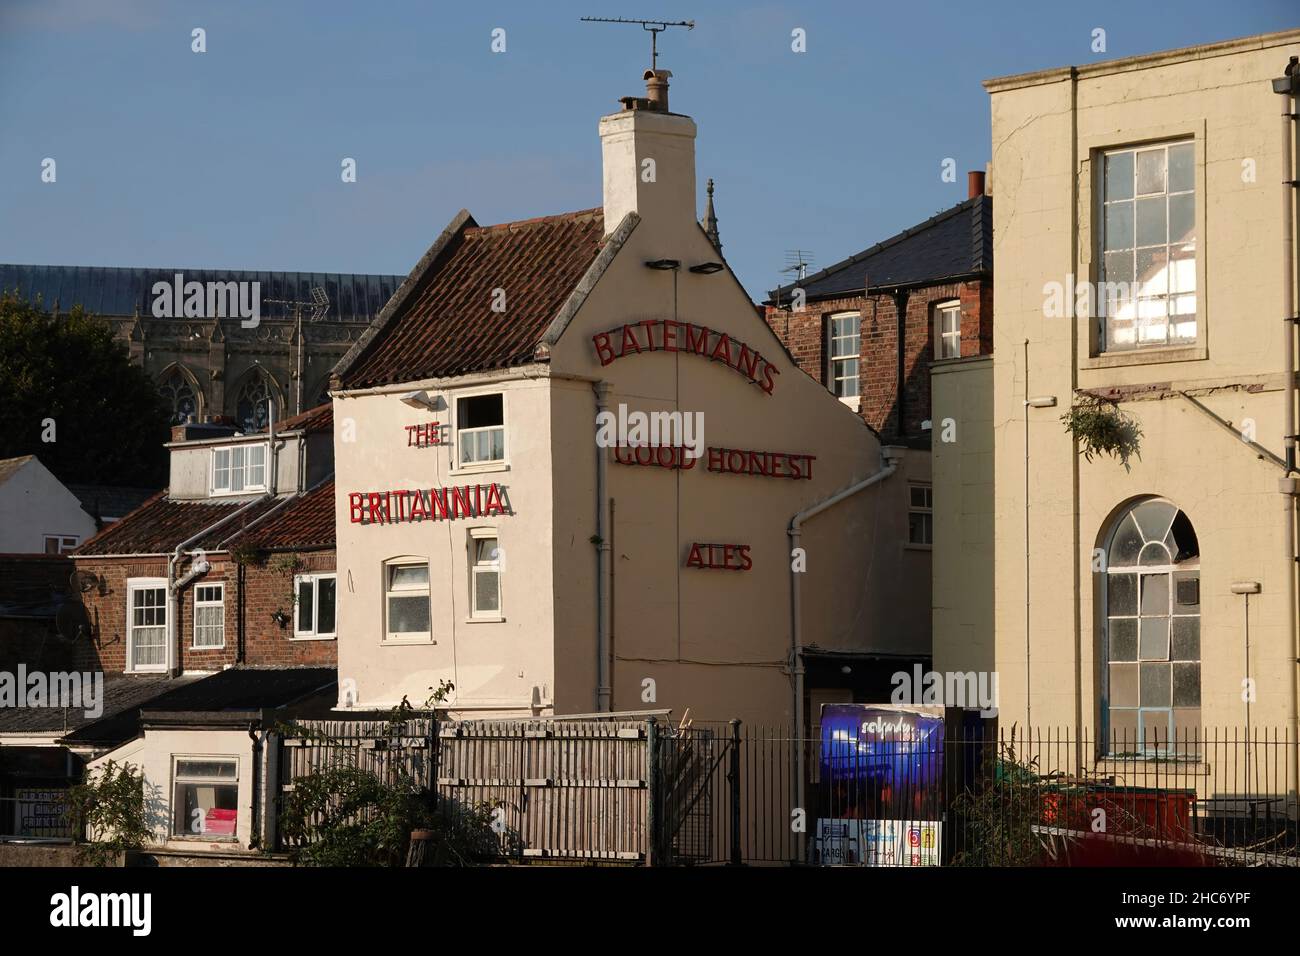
(489, 537)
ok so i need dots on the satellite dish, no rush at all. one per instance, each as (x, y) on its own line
(82, 582)
(72, 621)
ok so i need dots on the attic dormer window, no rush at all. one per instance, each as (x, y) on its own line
(238, 469)
(481, 429)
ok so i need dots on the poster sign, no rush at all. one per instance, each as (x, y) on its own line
(881, 793)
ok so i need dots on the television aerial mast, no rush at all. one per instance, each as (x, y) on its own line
(653, 27)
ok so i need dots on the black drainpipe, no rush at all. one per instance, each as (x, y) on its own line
(239, 618)
(900, 306)
(254, 838)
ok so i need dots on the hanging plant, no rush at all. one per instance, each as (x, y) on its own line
(1101, 428)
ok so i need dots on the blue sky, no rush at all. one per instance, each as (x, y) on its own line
(231, 158)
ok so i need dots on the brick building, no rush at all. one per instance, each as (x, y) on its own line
(871, 327)
(229, 566)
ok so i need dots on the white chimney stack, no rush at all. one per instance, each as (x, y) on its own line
(649, 161)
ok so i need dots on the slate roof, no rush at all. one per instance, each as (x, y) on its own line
(110, 501)
(123, 693)
(235, 689)
(442, 323)
(955, 243)
(123, 291)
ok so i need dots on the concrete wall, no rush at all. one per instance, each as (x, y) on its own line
(1046, 128)
(35, 504)
(963, 515)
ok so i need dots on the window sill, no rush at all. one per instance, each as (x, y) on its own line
(207, 647)
(145, 670)
(484, 469)
(319, 637)
(1147, 356)
(485, 620)
(1191, 766)
(853, 403)
(408, 642)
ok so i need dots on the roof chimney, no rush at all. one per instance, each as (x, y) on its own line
(649, 163)
(974, 184)
(656, 89)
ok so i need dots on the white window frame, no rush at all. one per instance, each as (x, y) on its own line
(497, 566)
(942, 337)
(66, 542)
(832, 380)
(194, 640)
(922, 509)
(493, 464)
(314, 580)
(407, 637)
(132, 586)
(1100, 303)
(177, 780)
(248, 487)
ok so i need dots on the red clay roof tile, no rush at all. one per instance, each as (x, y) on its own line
(447, 326)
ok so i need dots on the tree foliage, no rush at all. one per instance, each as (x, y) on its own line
(108, 811)
(109, 422)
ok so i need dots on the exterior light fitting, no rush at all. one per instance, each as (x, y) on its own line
(707, 268)
(1245, 587)
(420, 399)
(664, 264)
(1041, 401)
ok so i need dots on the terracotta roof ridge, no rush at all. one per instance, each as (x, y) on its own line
(575, 216)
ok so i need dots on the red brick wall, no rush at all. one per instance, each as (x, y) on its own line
(803, 333)
(266, 588)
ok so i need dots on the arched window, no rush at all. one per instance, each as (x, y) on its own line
(1151, 645)
(250, 402)
(180, 396)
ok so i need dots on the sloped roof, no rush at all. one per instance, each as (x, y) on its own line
(318, 419)
(441, 322)
(124, 291)
(306, 522)
(10, 466)
(123, 693)
(235, 689)
(957, 242)
(110, 501)
(160, 524)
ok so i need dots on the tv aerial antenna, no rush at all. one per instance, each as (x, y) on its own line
(653, 27)
(319, 305)
(797, 262)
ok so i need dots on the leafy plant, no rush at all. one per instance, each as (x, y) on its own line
(1102, 429)
(108, 810)
(348, 815)
(1000, 815)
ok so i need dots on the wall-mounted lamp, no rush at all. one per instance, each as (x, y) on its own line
(1041, 401)
(1245, 587)
(707, 268)
(664, 264)
(420, 399)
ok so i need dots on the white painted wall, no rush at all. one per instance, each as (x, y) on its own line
(34, 503)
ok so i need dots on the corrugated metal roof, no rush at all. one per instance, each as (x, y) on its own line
(122, 291)
(956, 242)
(447, 326)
